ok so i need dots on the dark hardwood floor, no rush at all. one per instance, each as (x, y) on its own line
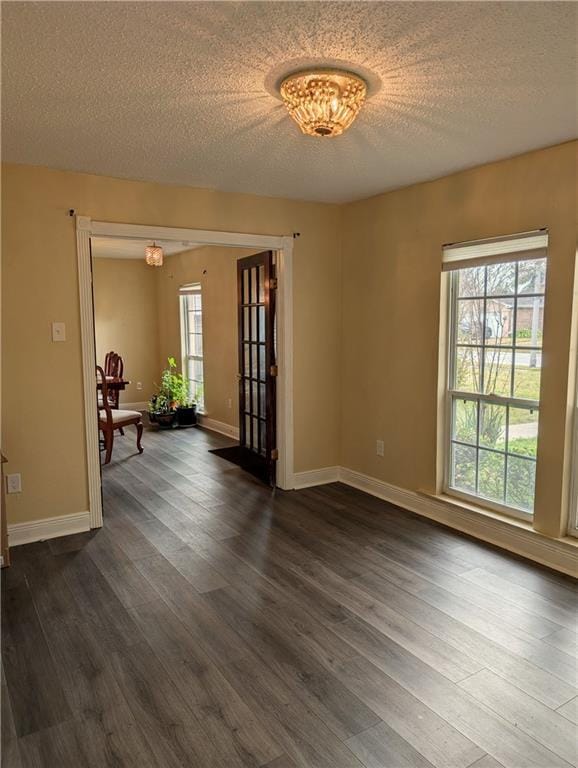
(213, 623)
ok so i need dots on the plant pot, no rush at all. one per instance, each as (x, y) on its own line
(187, 417)
(152, 417)
(165, 420)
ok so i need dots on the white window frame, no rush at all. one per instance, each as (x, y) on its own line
(184, 292)
(486, 252)
(572, 529)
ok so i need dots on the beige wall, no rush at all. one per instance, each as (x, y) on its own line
(391, 309)
(366, 315)
(216, 271)
(126, 321)
(40, 284)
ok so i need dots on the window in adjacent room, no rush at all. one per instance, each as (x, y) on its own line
(192, 340)
(497, 292)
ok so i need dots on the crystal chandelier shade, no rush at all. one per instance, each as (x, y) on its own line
(323, 102)
(154, 255)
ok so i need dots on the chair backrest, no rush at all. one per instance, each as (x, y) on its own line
(113, 365)
(104, 405)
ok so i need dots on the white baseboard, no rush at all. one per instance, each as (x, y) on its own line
(49, 528)
(316, 477)
(144, 406)
(218, 426)
(559, 554)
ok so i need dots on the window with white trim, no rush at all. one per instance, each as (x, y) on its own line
(192, 341)
(497, 291)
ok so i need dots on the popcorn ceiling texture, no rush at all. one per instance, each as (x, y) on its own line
(180, 92)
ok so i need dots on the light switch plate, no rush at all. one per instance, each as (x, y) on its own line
(58, 332)
(379, 447)
(13, 483)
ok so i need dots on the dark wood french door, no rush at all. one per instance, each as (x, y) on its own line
(256, 284)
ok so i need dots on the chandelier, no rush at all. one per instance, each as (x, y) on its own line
(154, 255)
(323, 102)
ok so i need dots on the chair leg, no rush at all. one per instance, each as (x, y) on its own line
(139, 429)
(108, 441)
(121, 430)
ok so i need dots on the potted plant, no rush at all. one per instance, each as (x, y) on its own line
(172, 401)
(185, 404)
(160, 411)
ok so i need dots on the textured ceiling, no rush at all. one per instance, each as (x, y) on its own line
(181, 92)
(124, 248)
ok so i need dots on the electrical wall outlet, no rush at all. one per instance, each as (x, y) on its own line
(139, 386)
(229, 403)
(379, 448)
(14, 483)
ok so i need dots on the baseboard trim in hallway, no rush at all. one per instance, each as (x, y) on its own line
(49, 528)
(218, 426)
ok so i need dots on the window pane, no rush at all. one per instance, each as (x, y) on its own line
(499, 321)
(523, 431)
(471, 281)
(463, 468)
(501, 279)
(532, 276)
(491, 475)
(521, 482)
(465, 421)
(470, 321)
(527, 375)
(467, 369)
(493, 426)
(529, 321)
(497, 371)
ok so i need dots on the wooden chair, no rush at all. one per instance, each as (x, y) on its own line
(110, 419)
(113, 366)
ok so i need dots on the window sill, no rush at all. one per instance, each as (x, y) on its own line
(483, 513)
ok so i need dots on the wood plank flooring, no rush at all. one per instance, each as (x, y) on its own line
(213, 623)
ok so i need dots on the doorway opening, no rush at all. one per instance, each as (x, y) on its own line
(263, 385)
